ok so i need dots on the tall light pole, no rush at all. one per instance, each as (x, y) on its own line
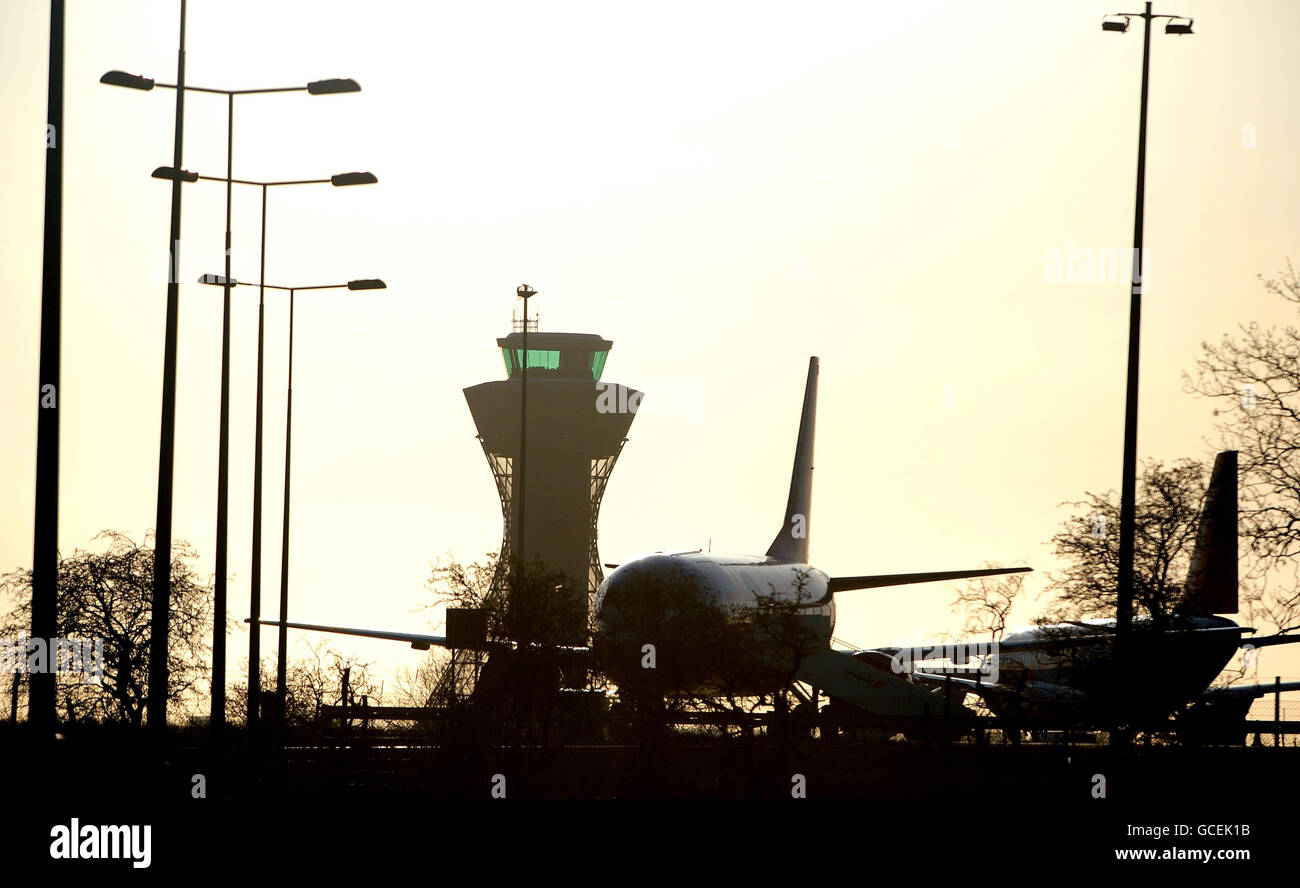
(524, 292)
(162, 580)
(162, 550)
(255, 578)
(45, 540)
(1177, 25)
(360, 284)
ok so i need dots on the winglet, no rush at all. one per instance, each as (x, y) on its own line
(791, 543)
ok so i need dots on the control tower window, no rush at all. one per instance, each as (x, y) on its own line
(538, 359)
(558, 363)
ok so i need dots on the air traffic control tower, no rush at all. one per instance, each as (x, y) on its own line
(576, 428)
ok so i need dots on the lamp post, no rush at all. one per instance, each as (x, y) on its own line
(360, 284)
(157, 701)
(523, 292)
(162, 544)
(41, 710)
(255, 577)
(255, 580)
(1178, 25)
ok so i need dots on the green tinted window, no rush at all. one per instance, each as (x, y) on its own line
(547, 360)
(543, 359)
(570, 364)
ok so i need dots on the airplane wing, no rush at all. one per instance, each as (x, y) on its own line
(417, 641)
(1252, 691)
(414, 639)
(844, 584)
(947, 650)
(1094, 630)
(997, 696)
(1259, 642)
(1267, 640)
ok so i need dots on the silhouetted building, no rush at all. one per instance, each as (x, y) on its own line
(576, 429)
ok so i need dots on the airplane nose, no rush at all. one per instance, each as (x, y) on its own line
(618, 593)
(653, 617)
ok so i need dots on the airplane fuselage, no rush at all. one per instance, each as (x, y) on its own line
(730, 582)
(684, 601)
(1071, 668)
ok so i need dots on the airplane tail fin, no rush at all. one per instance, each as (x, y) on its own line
(1212, 575)
(791, 543)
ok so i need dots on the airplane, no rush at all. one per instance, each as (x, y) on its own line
(1067, 673)
(734, 588)
(1218, 715)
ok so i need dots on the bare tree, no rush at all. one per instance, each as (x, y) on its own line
(511, 692)
(1168, 510)
(311, 681)
(107, 596)
(1254, 379)
(421, 685)
(524, 602)
(987, 601)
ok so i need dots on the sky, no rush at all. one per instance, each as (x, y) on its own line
(913, 192)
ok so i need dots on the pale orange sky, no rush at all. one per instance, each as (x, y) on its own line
(722, 189)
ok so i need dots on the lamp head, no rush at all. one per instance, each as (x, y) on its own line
(333, 85)
(353, 179)
(174, 174)
(130, 81)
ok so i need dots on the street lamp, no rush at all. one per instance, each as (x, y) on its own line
(282, 653)
(130, 81)
(523, 292)
(45, 527)
(162, 551)
(1178, 25)
(255, 580)
(315, 88)
(163, 532)
(174, 175)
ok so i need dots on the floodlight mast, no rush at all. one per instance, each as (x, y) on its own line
(42, 689)
(1128, 511)
(358, 284)
(523, 292)
(162, 579)
(161, 598)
